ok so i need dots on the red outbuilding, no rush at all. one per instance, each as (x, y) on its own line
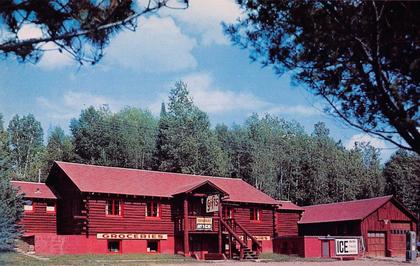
(39, 211)
(373, 227)
(118, 210)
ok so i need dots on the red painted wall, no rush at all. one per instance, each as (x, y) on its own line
(51, 244)
(38, 220)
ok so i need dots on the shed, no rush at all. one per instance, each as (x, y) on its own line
(381, 222)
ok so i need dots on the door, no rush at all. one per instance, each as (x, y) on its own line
(398, 231)
(376, 244)
(325, 249)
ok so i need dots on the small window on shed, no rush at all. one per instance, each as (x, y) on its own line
(50, 207)
(28, 206)
(114, 246)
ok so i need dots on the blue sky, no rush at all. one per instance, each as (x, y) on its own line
(140, 67)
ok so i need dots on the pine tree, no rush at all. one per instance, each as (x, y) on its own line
(185, 141)
(11, 203)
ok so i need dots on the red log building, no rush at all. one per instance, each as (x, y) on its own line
(116, 210)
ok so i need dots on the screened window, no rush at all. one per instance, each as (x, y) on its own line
(114, 246)
(255, 214)
(152, 209)
(113, 207)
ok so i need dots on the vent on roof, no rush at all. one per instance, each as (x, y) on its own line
(37, 191)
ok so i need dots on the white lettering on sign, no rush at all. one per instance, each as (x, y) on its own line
(346, 246)
(130, 236)
(259, 238)
(204, 223)
(212, 203)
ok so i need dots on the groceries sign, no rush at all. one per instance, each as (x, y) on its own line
(130, 236)
(212, 203)
(346, 246)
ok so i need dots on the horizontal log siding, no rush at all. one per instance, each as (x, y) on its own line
(265, 227)
(133, 219)
(287, 223)
(39, 221)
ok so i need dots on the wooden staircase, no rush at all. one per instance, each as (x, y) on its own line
(239, 242)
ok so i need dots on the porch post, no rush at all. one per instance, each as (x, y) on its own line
(186, 228)
(220, 224)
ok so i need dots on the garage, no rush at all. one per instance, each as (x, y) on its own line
(376, 244)
(398, 236)
(381, 222)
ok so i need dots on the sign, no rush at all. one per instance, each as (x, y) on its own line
(212, 203)
(259, 238)
(348, 246)
(204, 223)
(131, 236)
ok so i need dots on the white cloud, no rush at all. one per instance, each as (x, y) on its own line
(212, 99)
(29, 31)
(215, 100)
(204, 17)
(71, 103)
(365, 138)
(52, 58)
(158, 45)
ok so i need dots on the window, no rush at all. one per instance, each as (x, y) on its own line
(152, 209)
(255, 214)
(114, 246)
(114, 207)
(28, 206)
(153, 246)
(227, 212)
(50, 207)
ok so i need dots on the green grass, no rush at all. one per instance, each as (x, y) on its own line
(285, 258)
(13, 258)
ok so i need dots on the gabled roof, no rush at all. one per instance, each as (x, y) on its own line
(125, 181)
(288, 205)
(342, 211)
(34, 190)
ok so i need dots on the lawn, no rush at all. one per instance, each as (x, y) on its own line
(285, 258)
(13, 258)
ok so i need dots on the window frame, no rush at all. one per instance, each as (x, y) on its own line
(33, 206)
(119, 246)
(51, 212)
(157, 248)
(158, 210)
(121, 208)
(255, 215)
